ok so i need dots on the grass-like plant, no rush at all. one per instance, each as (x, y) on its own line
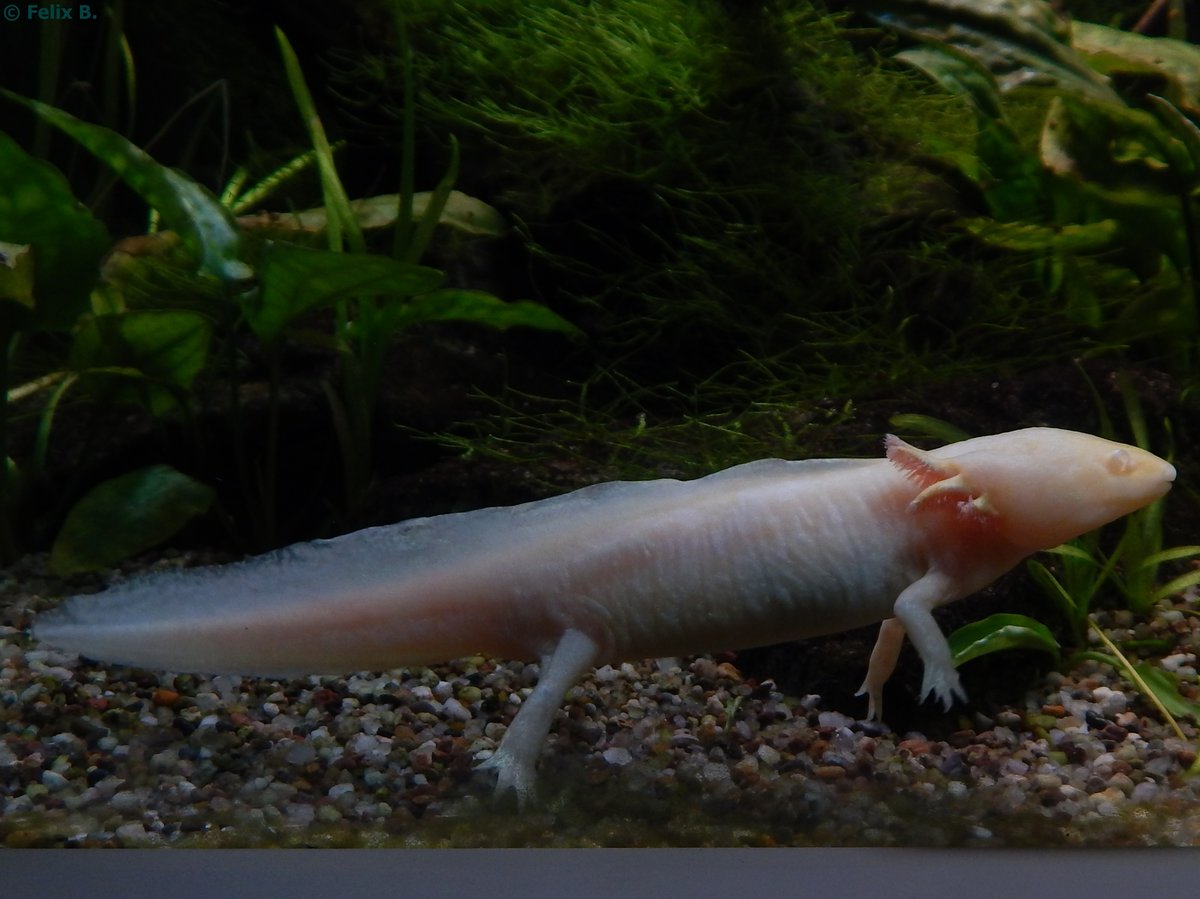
(46, 272)
(702, 179)
(366, 320)
(265, 288)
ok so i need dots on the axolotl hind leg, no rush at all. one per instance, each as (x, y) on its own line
(883, 662)
(515, 760)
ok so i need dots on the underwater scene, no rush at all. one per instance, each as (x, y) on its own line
(600, 423)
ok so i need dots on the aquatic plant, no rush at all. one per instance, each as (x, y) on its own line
(367, 311)
(1104, 192)
(703, 182)
(265, 287)
(41, 290)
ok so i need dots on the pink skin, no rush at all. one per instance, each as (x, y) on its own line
(761, 553)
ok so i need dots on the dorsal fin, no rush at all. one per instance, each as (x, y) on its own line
(917, 464)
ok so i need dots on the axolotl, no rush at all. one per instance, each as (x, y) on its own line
(761, 553)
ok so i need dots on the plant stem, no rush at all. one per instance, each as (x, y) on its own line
(1138, 682)
(7, 486)
(8, 548)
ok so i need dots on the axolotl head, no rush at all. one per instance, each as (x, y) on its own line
(1038, 486)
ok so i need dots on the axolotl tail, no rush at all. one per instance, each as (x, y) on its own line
(368, 600)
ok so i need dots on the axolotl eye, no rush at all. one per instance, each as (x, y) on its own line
(1119, 462)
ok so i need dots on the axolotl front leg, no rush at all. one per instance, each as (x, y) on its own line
(516, 758)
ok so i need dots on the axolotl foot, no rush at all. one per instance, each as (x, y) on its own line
(515, 759)
(944, 689)
(943, 684)
(512, 774)
(940, 679)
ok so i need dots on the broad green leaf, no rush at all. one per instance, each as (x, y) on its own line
(38, 209)
(1115, 52)
(1114, 146)
(463, 213)
(1021, 42)
(125, 516)
(1093, 237)
(295, 280)
(205, 226)
(1183, 130)
(1007, 173)
(145, 356)
(16, 274)
(479, 307)
(1165, 687)
(957, 73)
(999, 632)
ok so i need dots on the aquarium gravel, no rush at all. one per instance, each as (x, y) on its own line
(681, 752)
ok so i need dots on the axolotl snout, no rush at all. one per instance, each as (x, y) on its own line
(761, 553)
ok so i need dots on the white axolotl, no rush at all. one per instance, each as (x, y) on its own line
(758, 554)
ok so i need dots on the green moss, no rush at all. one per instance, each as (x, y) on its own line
(730, 199)
(698, 177)
(589, 441)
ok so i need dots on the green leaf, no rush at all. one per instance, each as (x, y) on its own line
(437, 202)
(1115, 52)
(1008, 174)
(1170, 555)
(1092, 237)
(1165, 687)
(1183, 130)
(958, 73)
(145, 356)
(16, 273)
(928, 426)
(1174, 587)
(1019, 43)
(999, 632)
(1115, 147)
(454, 304)
(295, 280)
(1070, 609)
(1072, 551)
(125, 516)
(332, 188)
(206, 227)
(38, 209)
(463, 213)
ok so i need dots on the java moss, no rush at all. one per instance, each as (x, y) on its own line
(704, 185)
(751, 214)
